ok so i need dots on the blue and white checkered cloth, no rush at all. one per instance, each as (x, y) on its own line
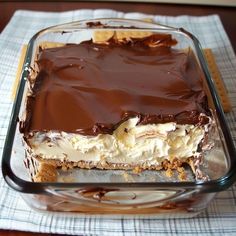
(220, 216)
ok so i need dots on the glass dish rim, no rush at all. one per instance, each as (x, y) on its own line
(24, 186)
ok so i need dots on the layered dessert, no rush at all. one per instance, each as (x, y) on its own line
(123, 103)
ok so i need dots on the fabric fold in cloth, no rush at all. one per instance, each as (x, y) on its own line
(219, 217)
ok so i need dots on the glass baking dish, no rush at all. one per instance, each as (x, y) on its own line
(106, 192)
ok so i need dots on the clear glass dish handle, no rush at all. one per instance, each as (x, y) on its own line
(122, 197)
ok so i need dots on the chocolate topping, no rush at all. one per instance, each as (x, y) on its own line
(94, 24)
(91, 88)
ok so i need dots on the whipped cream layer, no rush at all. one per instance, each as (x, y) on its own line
(130, 143)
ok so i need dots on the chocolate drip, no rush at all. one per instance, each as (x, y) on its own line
(91, 88)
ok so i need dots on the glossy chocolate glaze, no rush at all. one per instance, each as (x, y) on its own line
(91, 88)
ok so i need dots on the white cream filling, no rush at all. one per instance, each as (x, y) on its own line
(130, 143)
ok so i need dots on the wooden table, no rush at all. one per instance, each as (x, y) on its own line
(227, 15)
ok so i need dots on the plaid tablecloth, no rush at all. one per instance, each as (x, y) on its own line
(218, 219)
